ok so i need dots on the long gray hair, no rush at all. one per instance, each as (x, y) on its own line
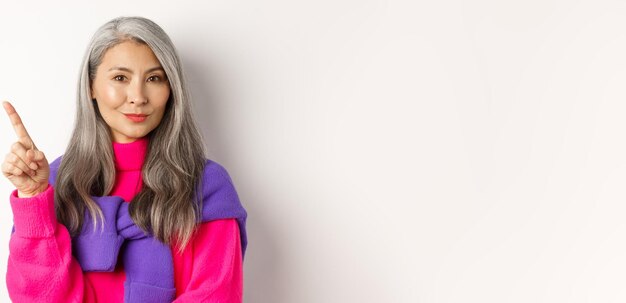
(168, 205)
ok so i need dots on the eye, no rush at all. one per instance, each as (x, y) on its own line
(119, 78)
(154, 78)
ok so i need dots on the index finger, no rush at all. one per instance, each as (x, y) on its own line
(18, 126)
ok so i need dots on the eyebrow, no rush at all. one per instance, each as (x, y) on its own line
(126, 69)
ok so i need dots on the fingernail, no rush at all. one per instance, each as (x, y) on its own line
(33, 166)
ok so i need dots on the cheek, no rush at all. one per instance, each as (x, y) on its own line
(109, 96)
(159, 98)
(113, 95)
(161, 112)
(159, 95)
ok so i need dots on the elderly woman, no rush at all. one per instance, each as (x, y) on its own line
(132, 211)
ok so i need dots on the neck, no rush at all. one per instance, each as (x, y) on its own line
(130, 156)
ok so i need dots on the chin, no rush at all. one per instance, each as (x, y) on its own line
(137, 136)
(134, 135)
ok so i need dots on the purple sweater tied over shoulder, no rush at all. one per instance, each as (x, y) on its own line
(148, 263)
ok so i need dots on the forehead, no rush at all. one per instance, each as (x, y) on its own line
(130, 54)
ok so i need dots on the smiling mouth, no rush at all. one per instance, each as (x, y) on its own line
(136, 117)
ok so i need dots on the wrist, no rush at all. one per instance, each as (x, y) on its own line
(21, 194)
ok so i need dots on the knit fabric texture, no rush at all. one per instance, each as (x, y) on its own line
(148, 263)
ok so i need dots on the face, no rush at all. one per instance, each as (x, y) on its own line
(131, 90)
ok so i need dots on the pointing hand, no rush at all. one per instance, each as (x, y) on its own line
(25, 166)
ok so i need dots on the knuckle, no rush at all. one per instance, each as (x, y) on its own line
(16, 146)
(12, 158)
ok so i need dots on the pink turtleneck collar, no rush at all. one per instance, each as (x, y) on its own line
(130, 156)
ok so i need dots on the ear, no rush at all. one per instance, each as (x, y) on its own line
(92, 94)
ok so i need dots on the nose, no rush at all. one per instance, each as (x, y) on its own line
(136, 93)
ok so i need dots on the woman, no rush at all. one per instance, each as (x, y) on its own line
(181, 238)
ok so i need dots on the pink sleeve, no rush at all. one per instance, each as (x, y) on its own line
(40, 266)
(217, 271)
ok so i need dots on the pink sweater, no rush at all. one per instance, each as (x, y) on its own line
(41, 267)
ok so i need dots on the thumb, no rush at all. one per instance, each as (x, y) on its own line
(34, 157)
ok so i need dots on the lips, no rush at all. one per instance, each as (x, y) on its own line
(136, 117)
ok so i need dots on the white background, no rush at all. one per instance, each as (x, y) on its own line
(386, 151)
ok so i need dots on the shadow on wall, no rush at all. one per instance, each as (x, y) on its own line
(262, 266)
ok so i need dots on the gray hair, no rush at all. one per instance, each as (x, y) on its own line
(168, 204)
